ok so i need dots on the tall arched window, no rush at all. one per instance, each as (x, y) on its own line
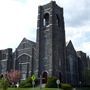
(57, 21)
(46, 19)
(24, 65)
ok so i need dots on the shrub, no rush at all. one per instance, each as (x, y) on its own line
(51, 82)
(4, 84)
(27, 83)
(66, 86)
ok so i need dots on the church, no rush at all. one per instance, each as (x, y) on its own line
(50, 55)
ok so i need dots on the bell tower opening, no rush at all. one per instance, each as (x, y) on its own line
(57, 21)
(46, 19)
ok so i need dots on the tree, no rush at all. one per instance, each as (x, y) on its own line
(87, 76)
(4, 82)
(13, 76)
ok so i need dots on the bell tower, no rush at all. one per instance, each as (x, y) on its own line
(51, 40)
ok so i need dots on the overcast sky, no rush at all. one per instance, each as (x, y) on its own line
(18, 19)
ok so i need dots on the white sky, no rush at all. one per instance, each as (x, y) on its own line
(18, 19)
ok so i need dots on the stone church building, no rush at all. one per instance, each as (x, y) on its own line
(50, 55)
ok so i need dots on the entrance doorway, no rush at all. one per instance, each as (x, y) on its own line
(60, 76)
(44, 76)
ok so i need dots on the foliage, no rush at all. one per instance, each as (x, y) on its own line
(87, 76)
(1, 76)
(4, 83)
(51, 82)
(66, 86)
(13, 76)
(27, 83)
(86, 88)
(32, 88)
(83, 88)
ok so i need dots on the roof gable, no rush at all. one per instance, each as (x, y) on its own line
(25, 43)
(70, 47)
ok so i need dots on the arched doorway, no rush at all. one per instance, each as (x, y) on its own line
(60, 76)
(44, 76)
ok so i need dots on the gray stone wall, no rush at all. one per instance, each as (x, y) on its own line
(24, 58)
(6, 60)
(71, 65)
(83, 66)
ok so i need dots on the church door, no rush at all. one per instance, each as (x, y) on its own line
(44, 75)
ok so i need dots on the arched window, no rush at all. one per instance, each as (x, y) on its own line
(24, 58)
(46, 19)
(57, 21)
(24, 65)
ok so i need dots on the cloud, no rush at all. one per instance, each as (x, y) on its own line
(77, 23)
(22, 1)
(17, 20)
(85, 47)
(77, 13)
(79, 37)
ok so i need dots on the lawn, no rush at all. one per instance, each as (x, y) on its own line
(84, 88)
(43, 89)
(32, 89)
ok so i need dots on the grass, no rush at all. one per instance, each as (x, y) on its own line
(83, 88)
(31, 89)
(42, 89)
